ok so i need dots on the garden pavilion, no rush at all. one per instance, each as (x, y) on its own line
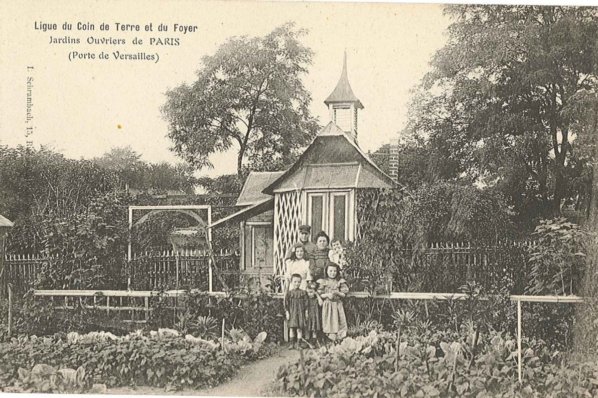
(320, 189)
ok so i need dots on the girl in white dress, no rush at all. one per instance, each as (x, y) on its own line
(298, 264)
(332, 290)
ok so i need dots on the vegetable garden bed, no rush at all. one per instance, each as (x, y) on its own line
(158, 359)
(435, 364)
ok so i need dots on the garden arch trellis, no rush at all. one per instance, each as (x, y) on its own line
(184, 209)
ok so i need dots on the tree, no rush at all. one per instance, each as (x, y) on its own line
(248, 93)
(134, 173)
(125, 162)
(381, 157)
(390, 221)
(160, 177)
(226, 184)
(40, 183)
(500, 94)
(584, 112)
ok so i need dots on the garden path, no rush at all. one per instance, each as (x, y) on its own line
(252, 380)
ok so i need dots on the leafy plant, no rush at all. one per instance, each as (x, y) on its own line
(204, 326)
(159, 359)
(237, 310)
(396, 229)
(46, 379)
(86, 250)
(365, 327)
(557, 261)
(240, 342)
(434, 365)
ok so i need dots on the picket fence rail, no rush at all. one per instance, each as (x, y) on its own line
(190, 268)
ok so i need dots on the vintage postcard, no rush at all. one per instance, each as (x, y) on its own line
(330, 199)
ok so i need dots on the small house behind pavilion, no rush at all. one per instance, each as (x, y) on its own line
(319, 189)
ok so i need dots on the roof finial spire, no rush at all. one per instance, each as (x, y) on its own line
(344, 73)
(343, 93)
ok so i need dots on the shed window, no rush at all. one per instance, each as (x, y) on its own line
(339, 217)
(330, 212)
(258, 249)
(317, 213)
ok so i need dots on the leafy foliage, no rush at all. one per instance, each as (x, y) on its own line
(424, 161)
(160, 359)
(34, 316)
(586, 325)
(221, 195)
(86, 250)
(42, 184)
(203, 326)
(396, 227)
(439, 365)
(481, 311)
(248, 94)
(133, 173)
(238, 311)
(503, 100)
(46, 379)
(558, 260)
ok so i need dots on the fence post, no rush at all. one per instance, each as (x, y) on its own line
(146, 308)
(519, 340)
(210, 274)
(177, 263)
(9, 309)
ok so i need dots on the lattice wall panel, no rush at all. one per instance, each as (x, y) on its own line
(287, 218)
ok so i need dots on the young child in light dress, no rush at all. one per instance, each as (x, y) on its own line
(298, 264)
(337, 254)
(332, 290)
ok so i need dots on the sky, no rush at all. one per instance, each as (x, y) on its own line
(84, 107)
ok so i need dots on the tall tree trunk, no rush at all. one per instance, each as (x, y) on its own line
(560, 155)
(559, 190)
(240, 163)
(593, 201)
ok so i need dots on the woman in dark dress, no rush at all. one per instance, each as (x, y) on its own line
(319, 259)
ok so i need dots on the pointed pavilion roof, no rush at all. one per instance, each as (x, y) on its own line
(332, 161)
(343, 91)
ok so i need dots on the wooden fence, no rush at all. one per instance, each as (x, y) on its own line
(147, 271)
(21, 270)
(441, 266)
(446, 266)
(179, 270)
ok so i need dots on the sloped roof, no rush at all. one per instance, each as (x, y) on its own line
(5, 222)
(254, 185)
(343, 91)
(254, 209)
(333, 160)
(331, 129)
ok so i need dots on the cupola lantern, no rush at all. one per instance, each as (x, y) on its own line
(343, 104)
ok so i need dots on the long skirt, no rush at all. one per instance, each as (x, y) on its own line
(334, 322)
(314, 318)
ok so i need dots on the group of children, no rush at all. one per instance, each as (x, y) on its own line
(315, 307)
